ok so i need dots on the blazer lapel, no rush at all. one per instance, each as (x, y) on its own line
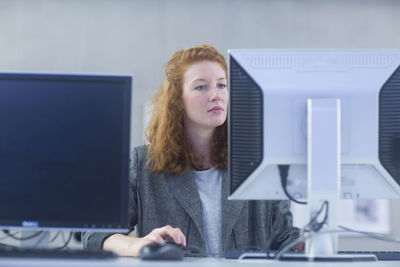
(184, 189)
(230, 211)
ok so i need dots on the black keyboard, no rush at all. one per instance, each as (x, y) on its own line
(14, 252)
(260, 254)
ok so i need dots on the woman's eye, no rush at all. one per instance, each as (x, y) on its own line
(200, 87)
(221, 85)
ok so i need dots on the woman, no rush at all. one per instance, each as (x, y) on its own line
(179, 184)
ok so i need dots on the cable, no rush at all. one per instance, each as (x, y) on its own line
(66, 242)
(378, 236)
(7, 245)
(313, 224)
(40, 239)
(4, 237)
(22, 238)
(270, 240)
(55, 236)
(63, 237)
(278, 231)
(284, 173)
(305, 238)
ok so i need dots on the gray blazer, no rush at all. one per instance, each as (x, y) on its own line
(157, 200)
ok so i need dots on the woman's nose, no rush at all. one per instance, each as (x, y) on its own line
(215, 93)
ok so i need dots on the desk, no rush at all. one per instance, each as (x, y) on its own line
(192, 262)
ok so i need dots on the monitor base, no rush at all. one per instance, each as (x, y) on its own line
(332, 258)
(295, 256)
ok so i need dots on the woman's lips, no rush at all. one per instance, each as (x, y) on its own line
(216, 109)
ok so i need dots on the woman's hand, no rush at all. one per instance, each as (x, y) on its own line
(161, 235)
(124, 245)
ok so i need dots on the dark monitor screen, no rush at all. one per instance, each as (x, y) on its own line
(64, 151)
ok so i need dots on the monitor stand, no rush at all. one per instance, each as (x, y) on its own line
(323, 174)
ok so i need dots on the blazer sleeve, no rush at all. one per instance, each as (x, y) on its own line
(283, 231)
(95, 240)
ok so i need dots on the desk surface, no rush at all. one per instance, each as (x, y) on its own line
(192, 262)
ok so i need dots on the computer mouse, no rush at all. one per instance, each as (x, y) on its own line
(157, 251)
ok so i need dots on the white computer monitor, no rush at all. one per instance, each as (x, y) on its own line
(332, 117)
(268, 119)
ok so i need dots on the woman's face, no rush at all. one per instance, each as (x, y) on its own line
(205, 95)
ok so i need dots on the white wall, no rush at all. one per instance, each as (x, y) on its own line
(137, 36)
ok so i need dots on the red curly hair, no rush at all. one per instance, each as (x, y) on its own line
(169, 151)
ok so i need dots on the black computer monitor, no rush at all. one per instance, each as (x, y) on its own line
(64, 151)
